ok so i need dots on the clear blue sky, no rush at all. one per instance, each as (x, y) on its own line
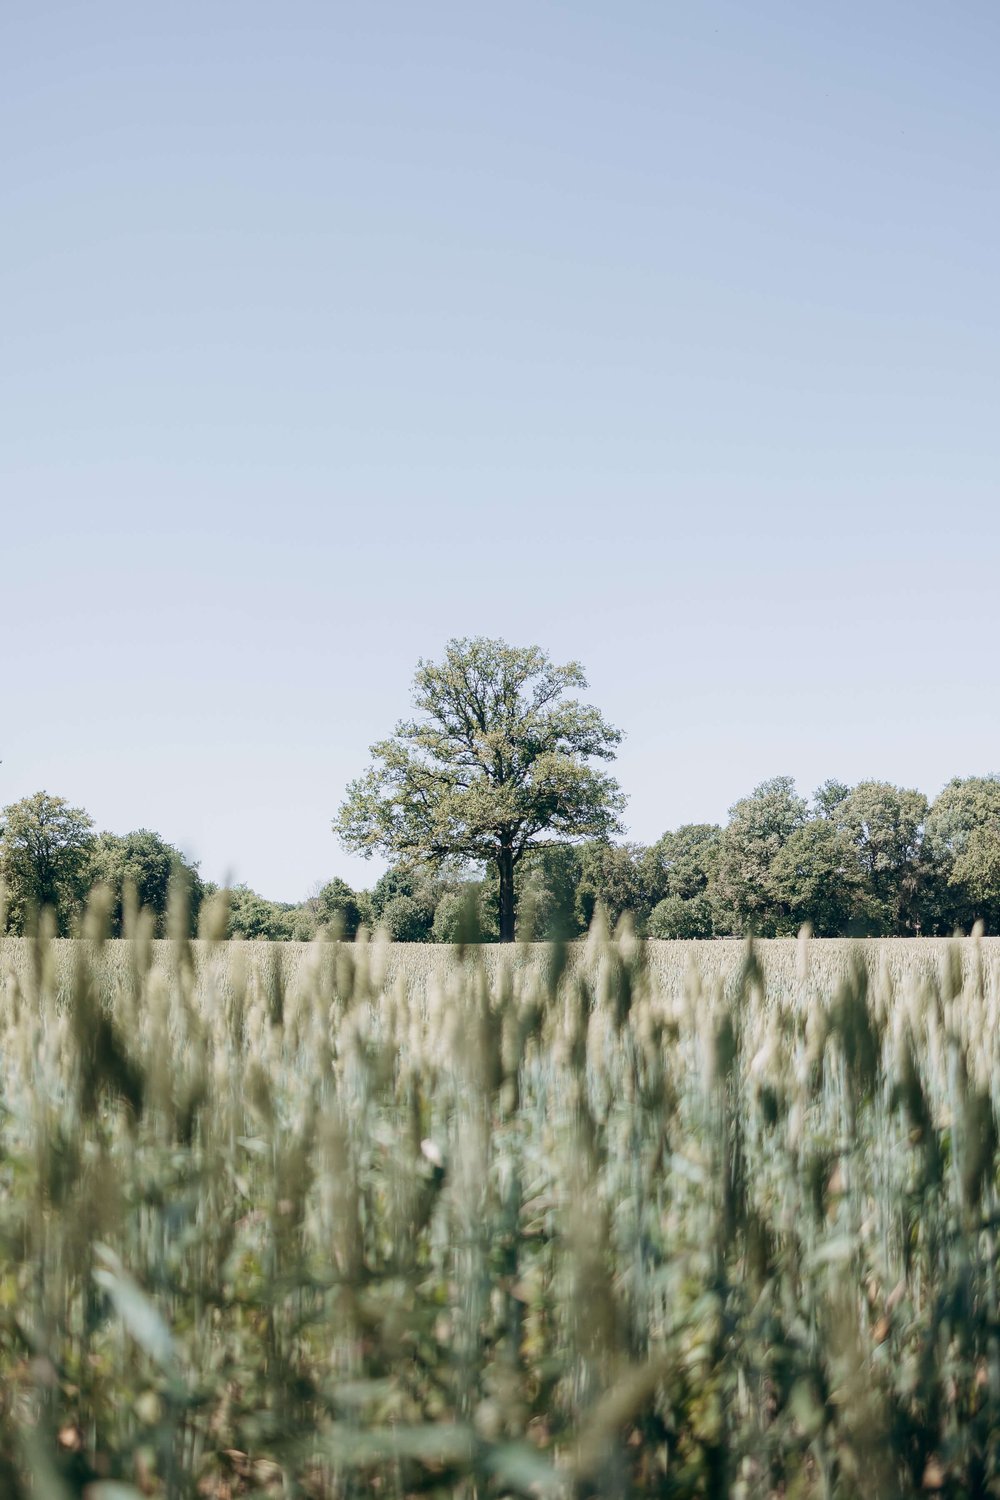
(664, 335)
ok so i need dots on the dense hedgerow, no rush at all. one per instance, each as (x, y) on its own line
(614, 1219)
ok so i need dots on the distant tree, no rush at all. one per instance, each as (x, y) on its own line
(449, 917)
(962, 845)
(535, 904)
(682, 863)
(45, 850)
(301, 923)
(829, 797)
(466, 913)
(759, 827)
(150, 865)
(682, 917)
(337, 906)
(424, 884)
(546, 883)
(406, 921)
(611, 876)
(497, 763)
(885, 825)
(252, 917)
(396, 881)
(814, 878)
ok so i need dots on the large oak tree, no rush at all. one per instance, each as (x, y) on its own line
(496, 763)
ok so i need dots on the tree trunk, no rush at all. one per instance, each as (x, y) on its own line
(505, 861)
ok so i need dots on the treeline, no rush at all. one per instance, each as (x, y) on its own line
(871, 860)
(868, 860)
(51, 858)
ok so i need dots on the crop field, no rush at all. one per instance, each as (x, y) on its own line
(345, 1220)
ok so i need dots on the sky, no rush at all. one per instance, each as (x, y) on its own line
(664, 336)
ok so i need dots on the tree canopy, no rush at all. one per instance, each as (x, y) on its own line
(759, 827)
(152, 868)
(962, 844)
(873, 859)
(45, 850)
(338, 909)
(497, 763)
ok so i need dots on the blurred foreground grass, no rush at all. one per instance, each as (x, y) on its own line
(625, 1219)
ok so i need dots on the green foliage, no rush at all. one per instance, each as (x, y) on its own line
(962, 845)
(829, 797)
(759, 827)
(400, 881)
(301, 922)
(146, 864)
(496, 762)
(337, 907)
(450, 917)
(682, 864)
(45, 851)
(682, 917)
(546, 881)
(868, 860)
(424, 884)
(814, 878)
(406, 920)
(853, 864)
(466, 914)
(610, 876)
(252, 917)
(348, 1221)
(884, 824)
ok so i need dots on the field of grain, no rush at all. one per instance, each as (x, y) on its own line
(619, 1219)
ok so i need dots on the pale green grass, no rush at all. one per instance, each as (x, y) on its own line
(341, 1220)
(789, 968)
